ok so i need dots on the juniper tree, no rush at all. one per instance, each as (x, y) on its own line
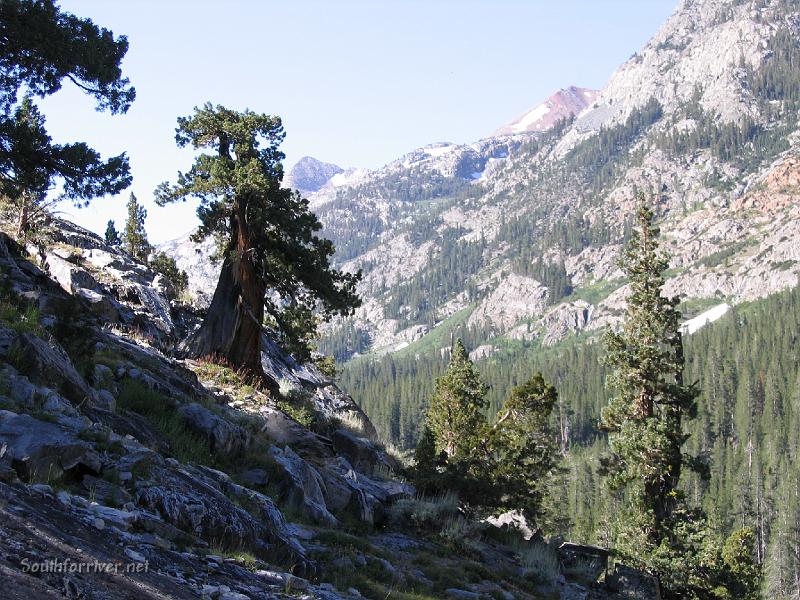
(274, 263)
(40, 47)
(134, 236)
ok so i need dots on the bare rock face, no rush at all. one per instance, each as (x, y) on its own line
(48, 364)
(302, 486)
(514, 298)
(777, 190)
(361, 452)
(225, 437)
(45, 451)
(310, 174)
(191, 502)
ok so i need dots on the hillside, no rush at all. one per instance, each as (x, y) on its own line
(511, 242)
(190, 482)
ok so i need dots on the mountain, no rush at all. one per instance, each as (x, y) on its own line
(516, 237)
(309, 174)
(703, 120)
(564, 104)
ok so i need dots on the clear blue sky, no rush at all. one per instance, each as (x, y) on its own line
(357, 83)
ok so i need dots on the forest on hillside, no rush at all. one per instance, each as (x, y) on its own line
(747, 365)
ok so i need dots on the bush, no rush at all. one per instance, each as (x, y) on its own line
(540, 561)
(461, 532)
(425, 511)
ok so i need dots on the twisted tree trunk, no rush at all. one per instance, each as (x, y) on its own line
(232, 326)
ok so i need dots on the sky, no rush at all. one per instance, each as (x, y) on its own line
(356, 82)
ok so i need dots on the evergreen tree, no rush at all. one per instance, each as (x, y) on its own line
(166, 266)
(455, 414)
(523, 448)
(42, 46)
(427, 462)
(644, 418)
(112, 236)
(134, 237)
(274, 261)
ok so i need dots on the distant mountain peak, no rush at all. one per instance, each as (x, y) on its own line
(563, 104)
(310, 174)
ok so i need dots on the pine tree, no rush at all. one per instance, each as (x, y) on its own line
(455, 413)
(427, 462)
(112, 236)
(523, 448)
(42, 47)
(644, 418)
(134, 237)
(274, 263)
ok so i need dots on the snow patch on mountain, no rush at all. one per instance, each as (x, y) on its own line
(704, 318)
(563, 104)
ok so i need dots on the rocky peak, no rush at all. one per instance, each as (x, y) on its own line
(563, 104)
(310, 174)
(698, 55)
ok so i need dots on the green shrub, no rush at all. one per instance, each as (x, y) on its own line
(539, 561)
(425, 511)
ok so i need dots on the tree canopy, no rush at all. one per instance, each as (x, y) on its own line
(134, 236)
(644, 417)
(455, 414)
(40, 47)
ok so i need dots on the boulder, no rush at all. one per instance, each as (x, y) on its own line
(7, 339)
(361, 452)
(302, 487)
(18, 387)
(53, 403)
(584, 562)
(106, 400)
(632, 584)
(285, 431)
(42, 450)
(103, 306)
(225, 437)
(105, 492)
(254, 477)
(264, 509)
(48, 364)
(512, 519)
(461, 594)
(196, 507)
(68, 275)
(193, 502)
(344, 496)
(125, 422)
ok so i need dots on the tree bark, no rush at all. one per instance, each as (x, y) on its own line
(22, 222)
(232, 326)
